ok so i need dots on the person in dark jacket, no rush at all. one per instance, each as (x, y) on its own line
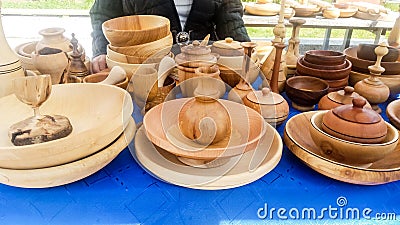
(219, 18)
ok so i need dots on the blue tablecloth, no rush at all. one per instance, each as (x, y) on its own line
(123, 193)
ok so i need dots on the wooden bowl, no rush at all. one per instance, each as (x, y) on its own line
(322, 66)
(305, 91)
(367, 52)
(301, 144)
(324, 57)
(230, 77)
(135, 29)
(331, 13)
(392, 81)
(347, 152)
(98, 77)
(393, 113)
(341, 5)
(348, 12)
(162, 120)
(24, 52)
(119, 57)
(161, 46)
(361, 65)
(306, 10)
(129, 68)
(340, 83)
(324, 74)
(69, 172)
(268, 9)
(94, 124)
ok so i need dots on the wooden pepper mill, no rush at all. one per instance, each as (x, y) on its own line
(372, 88)
(243, 87)
(293, 52)
(77, 67)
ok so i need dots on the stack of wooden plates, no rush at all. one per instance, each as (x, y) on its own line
(99, 133)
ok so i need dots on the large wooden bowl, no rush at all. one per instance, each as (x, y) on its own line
(301, 144)
(322, 66)
(136, 29)
(87, 106)
(392, 81)
(367, 52)
(324, 57)
(99, 77)
(248, 127)
(69, 172)
(160, 46)
(348, 152)
(324, 74)
(361, 65)
(119, 57)
(393, 113)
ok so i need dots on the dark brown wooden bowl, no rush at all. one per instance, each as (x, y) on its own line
(361, 65)
(324, 74)
(324, 57)
(367, 52)
(305, 91)
(322, 66)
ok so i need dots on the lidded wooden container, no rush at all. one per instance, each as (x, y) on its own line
(227, 47)
(196, 55)
(272, 106)
(338, 98)
(355, 123)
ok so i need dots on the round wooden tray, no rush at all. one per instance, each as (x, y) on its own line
(239, 171)
(393, 113)
(301, 144)
(70, 172)
(98, 114)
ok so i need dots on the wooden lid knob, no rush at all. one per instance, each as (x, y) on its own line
(348, 90)
(228, 40)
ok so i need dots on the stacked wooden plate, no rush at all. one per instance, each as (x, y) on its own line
(99, 133)
(252, 150)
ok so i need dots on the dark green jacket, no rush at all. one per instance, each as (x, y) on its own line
(220, 18)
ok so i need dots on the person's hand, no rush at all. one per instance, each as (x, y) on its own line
(99, 63)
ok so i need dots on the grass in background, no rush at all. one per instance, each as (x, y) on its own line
(47, 4)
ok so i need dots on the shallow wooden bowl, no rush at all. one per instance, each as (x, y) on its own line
(331, 13)
(129, 68)
(324, 74)
(305, 91)
(69, 172)
(361, 65)
(95, 124)
(322, 66)
(135, 29)
(99, 77)
(119, 57)
(306, 10)
(352, 153)
(268, 9)
(348, 12)
(367, 52)
(392, 81)
(161, 46)
(248, 127)
(301, 144)
(324, 57)
(393, 113)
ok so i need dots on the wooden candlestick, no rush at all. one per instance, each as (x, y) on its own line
(372, 88)
(293, 52)
(275, 71)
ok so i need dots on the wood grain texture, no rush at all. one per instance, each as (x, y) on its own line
(301, 144)
(393, 113)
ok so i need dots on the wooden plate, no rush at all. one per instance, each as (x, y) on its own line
(301, 144)
(393, 113)
(98, 114)
(239, 171)
(70, 172)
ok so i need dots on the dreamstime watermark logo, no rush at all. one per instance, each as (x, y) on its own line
(339, 211)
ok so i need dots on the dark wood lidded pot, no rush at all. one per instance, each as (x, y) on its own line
(355, 123)
(338, 98)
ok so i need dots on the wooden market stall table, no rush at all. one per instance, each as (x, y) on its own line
(379, 28)
(124, 193)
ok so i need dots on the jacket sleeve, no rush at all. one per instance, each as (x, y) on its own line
(102, 10)
(229, 21)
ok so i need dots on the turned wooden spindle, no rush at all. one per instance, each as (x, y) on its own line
(248, 50)
(372, 88)
(293, 52)
(275, 71)
(394, 36)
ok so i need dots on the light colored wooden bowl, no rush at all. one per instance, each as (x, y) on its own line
(393, 113)
(268, 9)
(129, 68)
(119, 57)
(69, 172)
(348, 12)
(99, 77)
(392, 81)
(24, 52)
(361, 65)
(301, 144)
(306, 10)
(161, 46)
(135, 29)
(161, 122)
(331, 13)
(347, 152)
(95, 124)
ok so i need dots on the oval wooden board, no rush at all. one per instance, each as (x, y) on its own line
(301, 144)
